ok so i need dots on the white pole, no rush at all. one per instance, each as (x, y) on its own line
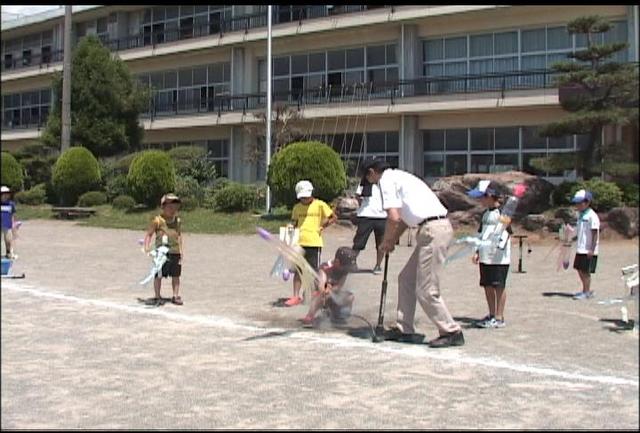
(66, 82)
(268, 138)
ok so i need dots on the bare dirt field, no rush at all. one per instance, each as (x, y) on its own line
(79, 350)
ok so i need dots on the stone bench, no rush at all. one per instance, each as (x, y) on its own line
(73, 212)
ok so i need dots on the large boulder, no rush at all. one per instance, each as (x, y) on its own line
(566, 214)
(624, 220)
(452, 191)
(533, 222)
(346, 207)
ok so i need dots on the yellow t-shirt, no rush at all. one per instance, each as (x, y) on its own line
(308, 219)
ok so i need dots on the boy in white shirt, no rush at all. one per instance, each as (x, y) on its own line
(588, 229)
(371, 218)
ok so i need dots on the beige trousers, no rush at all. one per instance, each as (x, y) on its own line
(420, 279)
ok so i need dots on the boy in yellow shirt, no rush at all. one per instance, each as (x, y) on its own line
(311, 216)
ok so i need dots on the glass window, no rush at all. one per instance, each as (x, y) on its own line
(172, 12)
(533, 62)
(455, 69)
(433, 50)
(200, 75)
(391, 54)
(455, 48)
(317, 62)
(507, 64)
(355, 58)
(558, 38)
(434, 70)
(185, 78)
(314, 81)
(507, 138)
(506, 43)
(433, 165)
(157, 80)
(281, 65)
(481, 138)
(216, 74)
(554, 58)
(392, 75)
(481, 163)
(433, 140)
(335, 60)
(533, 40)
(505, 162)
(456, 139)
(299, 64)
(481, 45)
(203, 9)
(45, 96)
(354, 77)
(186, 11)
(376, 55)
(102, 25)
(158, 14)
(564, 142)
(376, 75)
(170, 80)
(582, 141)
(456, 164)
(393, 141)
(531, 139)
(376, 142)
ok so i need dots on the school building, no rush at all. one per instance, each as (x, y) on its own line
(437, 90)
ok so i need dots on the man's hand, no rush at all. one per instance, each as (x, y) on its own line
(475, 258)
(387, 246)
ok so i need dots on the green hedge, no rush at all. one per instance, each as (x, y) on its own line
(630, 194)
(76, 171)
(12, 172)
(123, 202)
(92, 198)
(313, 161)
(35, 196)
(234, 197)
(151, 175)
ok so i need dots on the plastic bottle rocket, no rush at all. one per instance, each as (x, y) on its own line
(497, 238)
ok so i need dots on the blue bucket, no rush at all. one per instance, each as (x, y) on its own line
(6, 265)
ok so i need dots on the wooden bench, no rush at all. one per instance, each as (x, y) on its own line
(73, 212)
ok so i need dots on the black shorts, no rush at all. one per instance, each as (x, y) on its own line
(584, 264)
(365, 227)
(312, 254)
(172, 267)
(493, 275)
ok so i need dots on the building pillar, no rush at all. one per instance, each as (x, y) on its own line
(410, 56)
(410, 153)
(632, 32)
(241, 170)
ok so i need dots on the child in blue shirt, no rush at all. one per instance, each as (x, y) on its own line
(8, 220)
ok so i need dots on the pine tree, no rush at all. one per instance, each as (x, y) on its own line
(600, 92)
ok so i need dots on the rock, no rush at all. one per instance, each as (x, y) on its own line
(554, 224)
(452, 191)
(346, 207)
(533, 222)
(466, 218)
(624, 220)
(567, 215)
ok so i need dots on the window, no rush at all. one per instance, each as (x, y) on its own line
(433, 50)
(533, 40)
(433, 140)
(531, 139)
(505, 162)
(355, 58)
(506, 43)
(433, 165)
(455, 48)
(456, 164)
(507, 138)
(376, 55)
(481, 45)
(481, 138)
(481, 163)
(456, 139)
(299, 64)
(281, 66)
(336, 60)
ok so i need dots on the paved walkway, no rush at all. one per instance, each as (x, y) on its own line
(80, 351)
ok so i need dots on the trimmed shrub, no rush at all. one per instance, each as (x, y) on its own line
(630, 194)
(311, 160)
(183, 155)
(123, 202)
(188, 203)
(188, 187)
(34, 196)
(76, 171)
(116, 186)
(12, 175)
(92, 198)
(234, 197)
(561, 195)
(606, 195)
(151, 175)
(123, 164)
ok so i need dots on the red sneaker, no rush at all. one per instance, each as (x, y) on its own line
(294, 300)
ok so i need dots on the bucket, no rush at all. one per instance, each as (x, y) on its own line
(6, 265)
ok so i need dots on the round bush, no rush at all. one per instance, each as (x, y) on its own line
(606, 195)
(35, 196)
(12, 175)
(116, 186)
(630, 194)
(151, 175)
(123, 164)
(234, 197)
(76, 171)
(123, 202)
(188, 187)
(183, 155)
(92, 198)
(561, 195)
(313, 161)
(189, 203)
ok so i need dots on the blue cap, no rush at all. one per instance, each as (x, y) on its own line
(483, 188)
(582, 195)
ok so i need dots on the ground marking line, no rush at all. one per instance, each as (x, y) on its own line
(336, 341)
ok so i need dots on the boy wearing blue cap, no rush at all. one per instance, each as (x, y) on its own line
(494, 268)
(588, 230)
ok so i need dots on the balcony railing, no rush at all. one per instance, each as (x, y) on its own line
(360, 94)
(219, 27)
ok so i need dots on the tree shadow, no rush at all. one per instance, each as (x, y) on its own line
(468, 322)
(153, 302)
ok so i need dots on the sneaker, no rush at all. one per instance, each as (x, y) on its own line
(377, 270)
(307, 322)
(583, 295)
(294, 300)
(453, 339)
(489, 322)
(499, 323)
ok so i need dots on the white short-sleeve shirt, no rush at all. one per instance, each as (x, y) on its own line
(371, 207)
(402, 190)
(587, 221)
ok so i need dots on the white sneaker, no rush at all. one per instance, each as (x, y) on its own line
(377, 270)
(488, 323)
(499, 324)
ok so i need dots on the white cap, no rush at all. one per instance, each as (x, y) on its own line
(4, 189)
(304, 188)
(582, 195)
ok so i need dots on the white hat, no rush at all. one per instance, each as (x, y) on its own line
(304, 188)
(582, 195)
(4, 189)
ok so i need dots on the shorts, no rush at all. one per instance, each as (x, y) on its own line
(172, 267)
(493, 275)
(365, 227)
(584, 264)
(312, 254)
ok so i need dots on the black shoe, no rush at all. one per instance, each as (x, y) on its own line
(453, 339)
(395, 334)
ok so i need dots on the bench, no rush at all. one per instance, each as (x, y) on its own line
(73, 212)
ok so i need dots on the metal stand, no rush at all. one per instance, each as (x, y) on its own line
(520, 238)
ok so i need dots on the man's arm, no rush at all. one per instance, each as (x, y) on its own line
(393, 230)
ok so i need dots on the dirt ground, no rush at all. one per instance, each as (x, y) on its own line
(80, 350)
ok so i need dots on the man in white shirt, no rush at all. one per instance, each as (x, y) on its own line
(410, 202)
(371, 218)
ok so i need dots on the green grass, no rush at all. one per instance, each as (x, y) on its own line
(24, 213)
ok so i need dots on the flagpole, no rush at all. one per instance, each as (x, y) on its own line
(268, 137)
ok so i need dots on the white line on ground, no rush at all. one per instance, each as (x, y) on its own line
(340, 341)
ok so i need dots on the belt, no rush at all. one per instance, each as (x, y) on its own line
(426, 220)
